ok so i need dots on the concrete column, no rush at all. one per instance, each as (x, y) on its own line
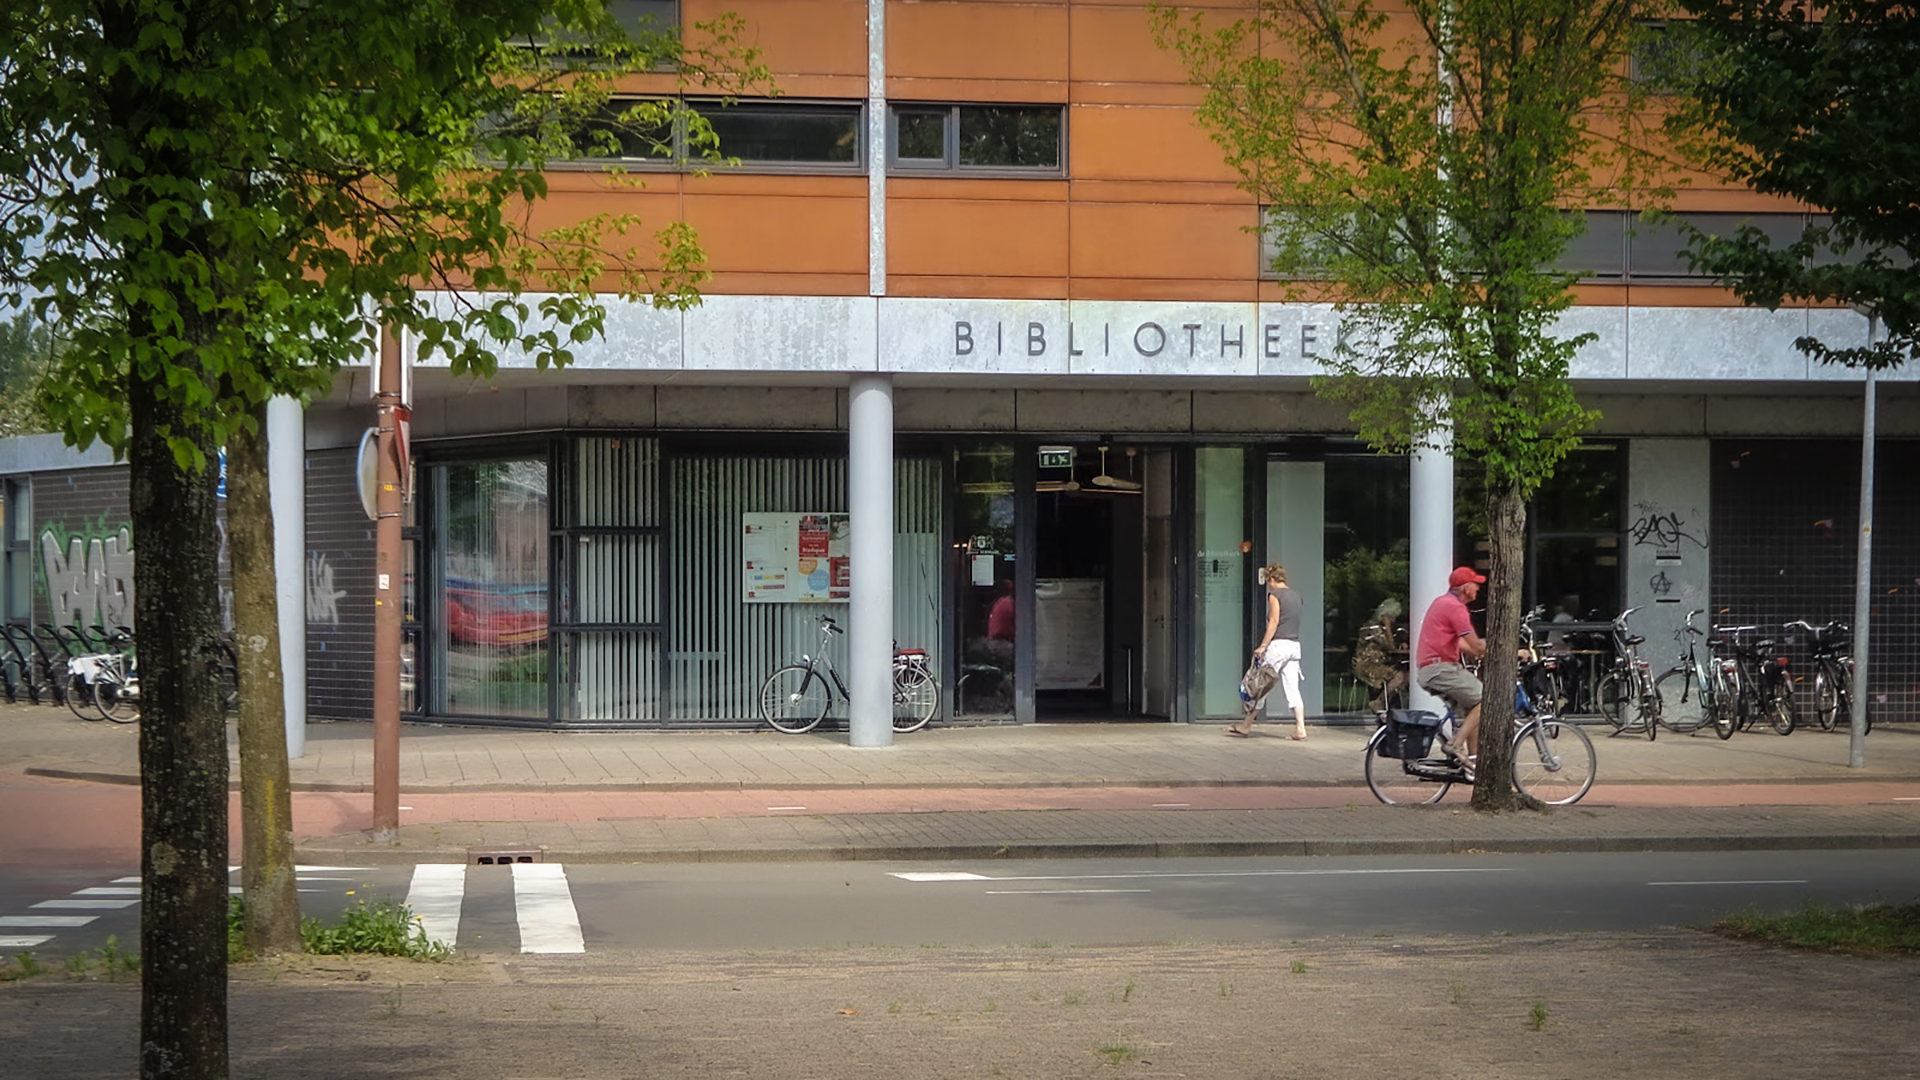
(870, 504)
(1430, 543)
(287, 489)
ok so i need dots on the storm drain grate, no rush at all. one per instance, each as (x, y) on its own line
(502, 856)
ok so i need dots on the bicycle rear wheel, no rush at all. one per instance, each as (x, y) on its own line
(117, 701)
(1674, 689)
(794, 699)
(1553, 761)
(915, 696)
(79, 698)
(1393, 784)
(1780, 713)
(1826, 700)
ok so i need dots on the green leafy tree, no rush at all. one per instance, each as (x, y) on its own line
(223, 200)
(28, 350)
(1814, 103)
(1412, 169)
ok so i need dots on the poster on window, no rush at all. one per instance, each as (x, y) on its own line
(795, 558)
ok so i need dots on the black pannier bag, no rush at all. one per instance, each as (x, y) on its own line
(1410, 733)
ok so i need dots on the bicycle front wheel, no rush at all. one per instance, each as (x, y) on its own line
(1675, 685)
(915, 696)
(1613, 697)
(1393, 784)
(1826, 700)
(117, 701)
(1553, 761)
(794, 699)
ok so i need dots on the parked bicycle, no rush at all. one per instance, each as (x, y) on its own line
(104, 685)
(1625, 695)
(1553, 760)
(1765, 690)
(795, 698)
(1543, 688)
(1833, 675)
(1708, 680)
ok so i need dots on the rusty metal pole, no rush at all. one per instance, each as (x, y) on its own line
(388, 581)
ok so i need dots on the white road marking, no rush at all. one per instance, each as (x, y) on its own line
(1172, 875)
(21, 941)
(126, 880)
(783, 809)
(931, 875)
(106, 890)
(435, 899)
(1784, 881)
(45, 922)
(549, 923)
(1172, 806)
(84, 905)
(1058, 892)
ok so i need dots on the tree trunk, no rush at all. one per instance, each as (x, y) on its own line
(1507, 534)
(183, 748)
(266, 805)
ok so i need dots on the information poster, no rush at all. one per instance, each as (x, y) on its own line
(795, 558)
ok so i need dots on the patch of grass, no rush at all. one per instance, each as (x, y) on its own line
(383, 928)
(1457, 992)
(22, 966)
(1537, 1016)
(1117, 1055)
(1856, 929)
(1226, 988)
(1126, 992)
(1071, 997)
(1298, 967)
(992, 1006)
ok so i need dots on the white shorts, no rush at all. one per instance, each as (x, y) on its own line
(1283, 656)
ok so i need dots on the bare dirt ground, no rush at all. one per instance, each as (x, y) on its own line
(1674, 1004)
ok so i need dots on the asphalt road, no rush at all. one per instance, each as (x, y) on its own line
(553, 908)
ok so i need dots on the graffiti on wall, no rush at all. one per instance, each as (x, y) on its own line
(1663, 530)
(89, 575)
(323, 600)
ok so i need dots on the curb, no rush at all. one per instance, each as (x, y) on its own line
(400, 854)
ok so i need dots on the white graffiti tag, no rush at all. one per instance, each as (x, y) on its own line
(323, 600)
(91, 583)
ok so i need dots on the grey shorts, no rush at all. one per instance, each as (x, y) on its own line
(1452, 682)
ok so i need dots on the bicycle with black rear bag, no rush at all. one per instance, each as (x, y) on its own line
(1765, 690)
(1703, 679)
(1626, 695)
(796, 697)
(1832, 649)
(1553, 760)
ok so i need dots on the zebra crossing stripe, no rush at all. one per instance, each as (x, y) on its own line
(549, 923)
(434, 899)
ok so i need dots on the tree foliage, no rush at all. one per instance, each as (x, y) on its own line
(1814, 103)
(29, 349)
(268, 180)
(1422, 171)
(224, 200)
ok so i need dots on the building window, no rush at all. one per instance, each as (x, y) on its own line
(758, 135)
(1618, 246)
(1014, 140)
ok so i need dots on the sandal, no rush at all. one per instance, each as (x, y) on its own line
(1296, 738)
(1235, 730)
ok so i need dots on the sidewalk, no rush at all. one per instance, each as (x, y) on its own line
(1068, 789)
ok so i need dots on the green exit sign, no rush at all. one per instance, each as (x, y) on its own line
(1056, 457)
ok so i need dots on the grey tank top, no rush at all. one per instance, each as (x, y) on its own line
(1290, 608)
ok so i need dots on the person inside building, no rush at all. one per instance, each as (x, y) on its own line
(1380, 656)
(1447, 634)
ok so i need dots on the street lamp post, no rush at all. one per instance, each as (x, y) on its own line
(1862, 594)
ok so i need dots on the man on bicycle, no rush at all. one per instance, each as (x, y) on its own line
(1445, 633)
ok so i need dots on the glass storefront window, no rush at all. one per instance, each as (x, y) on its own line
(1366, 553)
(984, 603)
(1222, 573)
(492, 578)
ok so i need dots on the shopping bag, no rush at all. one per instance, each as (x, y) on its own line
(1256, 683)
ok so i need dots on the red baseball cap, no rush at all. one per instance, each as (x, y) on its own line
(1463, 574)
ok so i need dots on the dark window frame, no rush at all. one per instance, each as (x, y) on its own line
(949, 163)
(681, 161)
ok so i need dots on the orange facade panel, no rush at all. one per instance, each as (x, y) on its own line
(1114, 142)
(796, 37)
(1159, 240)
(986, 238)
(977, 41)
(1113, 44)
(779, 234)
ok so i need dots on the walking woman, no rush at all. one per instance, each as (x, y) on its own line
(1279, 650)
